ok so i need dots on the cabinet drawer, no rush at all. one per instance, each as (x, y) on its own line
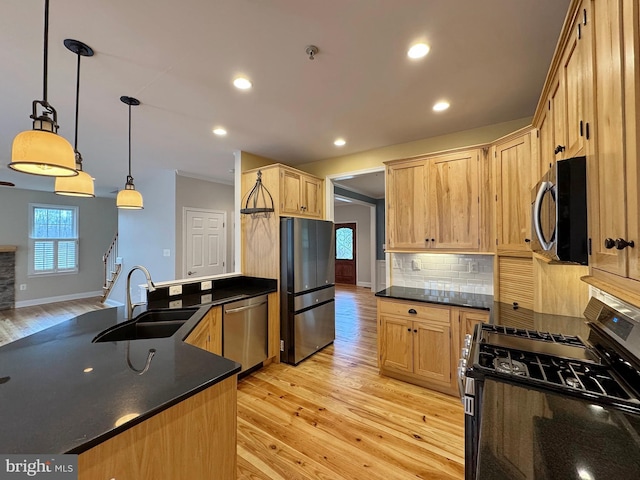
(422, 311)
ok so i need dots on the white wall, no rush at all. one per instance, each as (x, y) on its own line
(97, 225)
(440, 271)
(145, 234)
(362, 216)
(197, 193)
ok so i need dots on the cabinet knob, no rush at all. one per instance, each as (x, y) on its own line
(609, 243)
(621, 244)
(415, 331)
(515, 305)
(408, 329)
(559, 148)
(433, 239)
(412, 311)
(426, 239)
(527, 240)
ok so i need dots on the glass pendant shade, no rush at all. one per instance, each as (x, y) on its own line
(40, 152)
(79, 186)
(129, 198)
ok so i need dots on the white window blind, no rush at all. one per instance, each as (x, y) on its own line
(53, 239)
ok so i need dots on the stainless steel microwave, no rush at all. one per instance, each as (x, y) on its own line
(559, 212)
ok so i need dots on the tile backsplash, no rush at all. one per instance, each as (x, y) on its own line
(456, 273)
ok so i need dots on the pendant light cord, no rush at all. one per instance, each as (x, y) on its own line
(46, 50)
(130, 142)
(75, 142)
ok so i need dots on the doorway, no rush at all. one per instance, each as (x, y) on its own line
(346, 253)
(205, 242)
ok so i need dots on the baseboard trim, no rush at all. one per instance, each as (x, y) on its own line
(364, 284)
(61, 298)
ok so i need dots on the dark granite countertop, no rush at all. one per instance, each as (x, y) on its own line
(50, 402)
(441, 297)
(222, 291)
(554, 437)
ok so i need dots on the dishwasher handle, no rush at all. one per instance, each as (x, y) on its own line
(248, 307)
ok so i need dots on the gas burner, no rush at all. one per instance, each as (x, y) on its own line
(573, 382)
(509, 366)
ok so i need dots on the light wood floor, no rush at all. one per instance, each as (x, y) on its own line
(20, 322)
(333, 417)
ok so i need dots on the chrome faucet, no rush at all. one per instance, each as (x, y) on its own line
(150, 286)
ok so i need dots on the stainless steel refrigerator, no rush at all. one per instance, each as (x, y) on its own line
(307, 287)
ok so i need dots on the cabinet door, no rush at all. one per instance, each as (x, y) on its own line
(608, 207)
(311, 196)
(214, 318)
(577, 63)
(559, 119)
(547, 144)
(432, 351)
(454, 201)
(512, 167)
(406, 205)
(200, 336)
(515, 281)
(396, 344)
(290, 187)
(468, 321)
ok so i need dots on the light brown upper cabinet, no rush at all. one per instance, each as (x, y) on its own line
(613, 169)
(301, 194)
(515, 173)
(295, 193)
(433, 202)
(597, 65)
(565, 117)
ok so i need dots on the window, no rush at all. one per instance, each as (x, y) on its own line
(53, 239)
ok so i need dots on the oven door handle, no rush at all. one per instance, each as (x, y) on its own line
(537, 221)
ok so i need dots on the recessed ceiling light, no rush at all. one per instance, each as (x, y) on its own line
(440, 106)
(242, 83)
(220, 131)
(418, 50)
(340, 142)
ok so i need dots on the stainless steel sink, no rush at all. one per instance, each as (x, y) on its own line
(149, 324)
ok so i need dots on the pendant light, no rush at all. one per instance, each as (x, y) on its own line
(82, 184)
(129, 198)
(41, 151)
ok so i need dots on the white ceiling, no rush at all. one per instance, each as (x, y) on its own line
(488, 58)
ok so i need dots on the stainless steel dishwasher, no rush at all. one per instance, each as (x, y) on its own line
(244, 331)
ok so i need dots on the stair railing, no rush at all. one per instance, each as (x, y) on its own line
(112, 268)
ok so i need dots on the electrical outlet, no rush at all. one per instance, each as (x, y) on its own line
(208, 298)
(473, 267)
(23, 286)
(205, 285)
(175, 290)
(396, 264)
(176, 304)
(415, 264)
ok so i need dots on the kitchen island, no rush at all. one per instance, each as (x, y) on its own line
(146, 408)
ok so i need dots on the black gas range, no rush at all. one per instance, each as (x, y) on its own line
(524, 389)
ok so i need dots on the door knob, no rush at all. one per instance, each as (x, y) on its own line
(609, 243)
(621, 244)
(190, 272)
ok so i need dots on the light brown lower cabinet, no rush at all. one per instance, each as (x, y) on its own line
(207, 335)
(421, 343)
(192, 440)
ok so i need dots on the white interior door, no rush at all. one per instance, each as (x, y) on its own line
(205, 240)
